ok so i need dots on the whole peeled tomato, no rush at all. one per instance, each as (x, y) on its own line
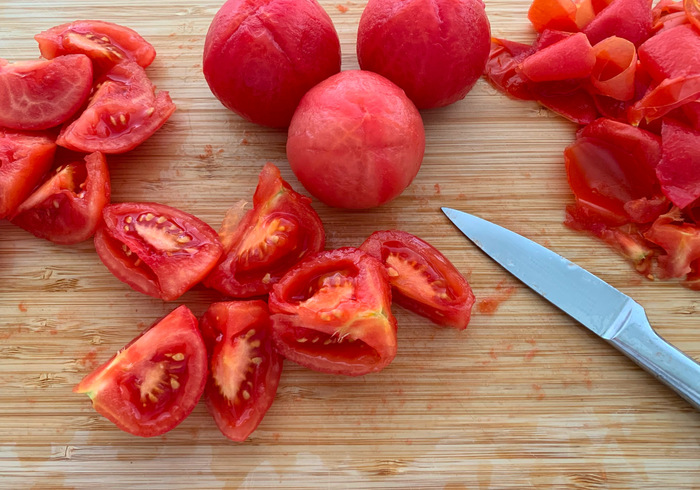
(356, 141)
(262, 56)
(435, 50)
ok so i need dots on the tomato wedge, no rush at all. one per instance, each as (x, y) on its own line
(124, 111)
(244, 365)
(156, 249)
(43, 94)
(422, 279)
(154, 383)
(24, 159)
(280, 230)
(67, 208)
(332, 313)
(104, 42)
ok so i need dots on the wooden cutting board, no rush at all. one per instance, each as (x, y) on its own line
(523, 398)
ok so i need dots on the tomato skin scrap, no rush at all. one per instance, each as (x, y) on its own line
(616, 65)
(679, 169)
(45, 93)
(572, 57)
(149, 387)
(628, 19)
(423, 280)
(671, 53)
(331, 313)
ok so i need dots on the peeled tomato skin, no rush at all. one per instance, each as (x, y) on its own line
(356, 141)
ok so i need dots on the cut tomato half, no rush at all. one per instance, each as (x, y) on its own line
(154, 383)
(245, 368)
(332, 313)
(280, 230)
(123, 112)
(45, 93)
(156, 249)
(104, 42)
(67, 208)
(422, 279)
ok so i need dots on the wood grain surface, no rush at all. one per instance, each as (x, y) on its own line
(524, 398)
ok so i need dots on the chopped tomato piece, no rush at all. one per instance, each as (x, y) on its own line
(155, 249)
(571, 57)
(280, 230)
(124, 111)
(104, 42)
(245, 368)
(615, 68)
(24, 159)
(671, 53)
(332, 313)
(680, 240)
(45, 93)
(422, 279)
(68, 207)
(679, 169)
(154, 383)
(628, 19)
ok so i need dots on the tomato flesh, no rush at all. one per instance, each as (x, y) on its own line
(67, 208)
(104, 42)
(280, 230)
(422, 279)
(332, 313)
(45, 93)
(24, 159)
(123, 112)
(156, 249)
(245, 368)
(154, 383)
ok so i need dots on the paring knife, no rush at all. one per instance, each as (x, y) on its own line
(591, 301)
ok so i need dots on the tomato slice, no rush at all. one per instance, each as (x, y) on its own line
(244, 365)
(156, 249)
(67, 208)
(24, 159)
(154, 383)
(280, 230)
(422, 279)
(45, 93)
(679, 169)
(104, 42)
(332, 313)
(628, 19)
(124, 111)
(571, 57)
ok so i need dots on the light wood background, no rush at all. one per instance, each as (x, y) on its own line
(523, 398)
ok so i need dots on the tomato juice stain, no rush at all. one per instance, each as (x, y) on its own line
(531, 354)
(437, 189)
(22, 307)
(539, 392)
(490, 304)
(341, 8)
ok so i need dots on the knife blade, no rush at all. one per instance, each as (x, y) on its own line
(597, 305)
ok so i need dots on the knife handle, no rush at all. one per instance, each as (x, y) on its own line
(638, 341)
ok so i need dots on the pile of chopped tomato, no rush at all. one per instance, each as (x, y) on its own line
(630, 75)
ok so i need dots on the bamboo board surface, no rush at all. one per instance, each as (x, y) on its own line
(523, 398)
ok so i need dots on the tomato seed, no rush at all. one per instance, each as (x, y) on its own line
(179, 356)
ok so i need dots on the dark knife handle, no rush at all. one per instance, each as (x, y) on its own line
(638, 341)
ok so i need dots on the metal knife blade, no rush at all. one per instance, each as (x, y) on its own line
(588, 299)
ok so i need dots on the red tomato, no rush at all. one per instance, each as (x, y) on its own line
(24, 159)
(245, 368)
(571, 57)
(155, 249)
(104, 42)
(356, 141)
(67, 208)
(679, 169)
(280, 230)
(332, 313)
(680, 240)
(124, 111)
(422, 279)
(611, 169)
(435, 50)
(154, 383)
(628, 19)
(262, 56)
(43, 94)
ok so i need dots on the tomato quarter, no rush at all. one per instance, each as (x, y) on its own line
(245, 368)
(153, 384)
(422, 279)
(332, 313)
(67, 208)
(156, 249)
